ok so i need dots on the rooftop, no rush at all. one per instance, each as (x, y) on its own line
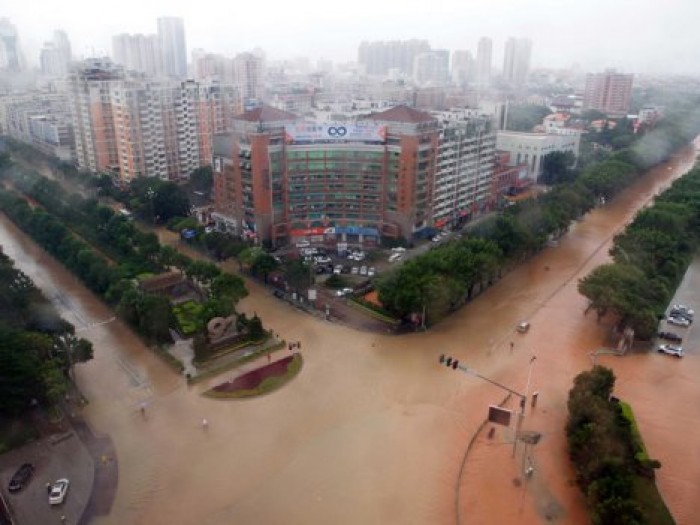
(266, 114)
(403, 114)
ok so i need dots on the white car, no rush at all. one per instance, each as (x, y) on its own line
(678, 321)
(338, 269)
(59, 491)
(395, 257)
(355, 270)
(343, 292)
(371, 271)
(363, 270)
(675, 351)
(398, 249)
(683, 309)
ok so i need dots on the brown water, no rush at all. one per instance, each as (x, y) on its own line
(373, 430)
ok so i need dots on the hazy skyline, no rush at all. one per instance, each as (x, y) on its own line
(636, 37)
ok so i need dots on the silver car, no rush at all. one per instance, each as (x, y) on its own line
(675, 351)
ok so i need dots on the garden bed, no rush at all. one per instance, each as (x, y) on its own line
(261, 380)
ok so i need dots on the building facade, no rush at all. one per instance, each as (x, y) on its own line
(530, 148)
(171, 39)
(136, 127)
(378, 58)
(516, 62)
(138, 53)
(609, 92)
(466, 161)
(396, 173)
(484, 60)
(11, 59)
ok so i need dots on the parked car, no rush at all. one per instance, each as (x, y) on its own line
(398, 249)
(279, 294)
(685, 313)
(395, 257)
(678, 321)
(303, 244)
(670, 336)
(675, 351)
(371, 271)
(437, 238)
(338, 269)
(363, 270)
(58, 491)
(344, 292)
(21, 478)
(355, 270)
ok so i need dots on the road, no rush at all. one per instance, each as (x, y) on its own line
(373, 430)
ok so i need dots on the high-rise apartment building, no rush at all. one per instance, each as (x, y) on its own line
(138, 52)
(463, 68)
(378, 58)
(432, 67)
(484, 60)
(90, 88)
(10, 55)
(139, 127)
(55, 56)
(609, 92)
(516, 62)
(249, 71)
(171, 37)
(466, 162)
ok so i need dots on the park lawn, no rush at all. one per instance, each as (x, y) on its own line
(188, 317)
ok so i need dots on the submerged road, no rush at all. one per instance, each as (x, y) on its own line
(373, 430)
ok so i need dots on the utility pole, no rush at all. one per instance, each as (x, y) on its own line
(455, 365)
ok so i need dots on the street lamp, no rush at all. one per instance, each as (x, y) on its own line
(455, 365)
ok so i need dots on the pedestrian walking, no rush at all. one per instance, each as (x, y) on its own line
(205, 423)
(48, 488)
(299, 345)
(269, 358)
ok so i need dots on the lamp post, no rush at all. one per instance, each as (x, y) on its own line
(455, 365)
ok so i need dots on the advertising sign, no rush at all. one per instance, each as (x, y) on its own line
(342, 131)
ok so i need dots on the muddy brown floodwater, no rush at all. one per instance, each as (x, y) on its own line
(373, 430)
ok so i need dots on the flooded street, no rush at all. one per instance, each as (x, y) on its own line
(373, 430)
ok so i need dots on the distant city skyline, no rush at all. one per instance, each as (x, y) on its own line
(635, 38)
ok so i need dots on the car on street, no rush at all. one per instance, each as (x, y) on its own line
(398, 249)
(338, 269)
(682, 309)
(678, 321)
(371, 271)
(343, 292)
(675, 351)
(363, 270)
(59, 491)
(670, 336)
(21, 478)
(355, 270)
(523, 327)
(279, 294)
(437, 238)
(303, 244)
(395, 257)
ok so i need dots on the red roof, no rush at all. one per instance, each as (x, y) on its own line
(403, 114)
(266, 114)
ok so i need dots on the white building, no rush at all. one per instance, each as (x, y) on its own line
(530, 148)
(516, 62)
(431, 67)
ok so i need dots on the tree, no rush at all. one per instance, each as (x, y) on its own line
(557, 167)
(263, 264)
(202, 179)
(229, 286)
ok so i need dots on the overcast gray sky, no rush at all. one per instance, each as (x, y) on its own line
(639, 36)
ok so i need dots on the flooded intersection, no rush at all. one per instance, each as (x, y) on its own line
(373, 430)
